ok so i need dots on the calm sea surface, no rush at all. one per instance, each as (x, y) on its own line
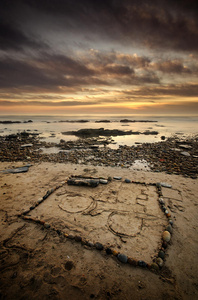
(50, 127)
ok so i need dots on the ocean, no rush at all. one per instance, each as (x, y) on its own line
(50, 128)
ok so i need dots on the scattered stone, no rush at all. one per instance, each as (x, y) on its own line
(78, 238)
(171, 222)
(160, 262)
(90, 244)
(142, 264)
(155, 267)
(83, 182)
(163, 137)
(114, 252)
(166, 236)
(47, 225)
(132, 261)
(185, 153)
(161, 201)
(161, 254)
(108, 251)
(169, 228)
(123, 258)
(99, 246)
(103, 181)
(164, 245)
(127, 180)
(71, 236)
(69, 265)
(117, 178)
(164, 184)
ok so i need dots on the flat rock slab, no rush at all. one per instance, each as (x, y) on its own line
(17, 170)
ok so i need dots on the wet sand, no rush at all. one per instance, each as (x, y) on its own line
(38, 262)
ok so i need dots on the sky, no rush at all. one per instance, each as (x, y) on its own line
(96, 56)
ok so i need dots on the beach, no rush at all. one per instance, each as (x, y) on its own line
(89, 221)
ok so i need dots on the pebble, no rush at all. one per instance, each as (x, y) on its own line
(123, 258)
(166, 236)
(132, 261)
(78, 238)
(99, 246)
(108, 251)
(164, 245)
(142, 263)
(47, 225)
(127, 180)
(169, 228)
(171, 222)
(161, 254)
(117, 177)
(155, 267)
(114, 252)
(103, 181)
(185, 153)
(71, 236)
(160, 262)
(69, 265)
(161, 201)
(164, 184)
(90, 244)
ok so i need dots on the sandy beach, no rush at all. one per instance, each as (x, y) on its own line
(57, 248)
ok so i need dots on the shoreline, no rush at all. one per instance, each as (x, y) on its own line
(172, 155)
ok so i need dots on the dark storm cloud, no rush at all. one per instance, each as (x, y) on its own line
(154, 24)
(47, 72)
(12, 38)
(163, 24)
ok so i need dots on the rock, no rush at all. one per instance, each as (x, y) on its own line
(103, 181)
(161, 254)
(46, 225)
(127, 180)
(171, 222)
(108, 251)
(185, 153)
(160, 262)
(69, 265)
(99, 246)
(78, 238)
(71, 236)
(169, 228)
(142, 264)
(166, 236)
(132, 261)
(163, 137)
(90, 244)
(83, 182)
(122, 257)
(117, 178)
(164, 184)
(164, 245)
(114, 252)
(161, 201)
(155, 267)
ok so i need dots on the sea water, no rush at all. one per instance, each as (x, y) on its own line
(51, 128)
